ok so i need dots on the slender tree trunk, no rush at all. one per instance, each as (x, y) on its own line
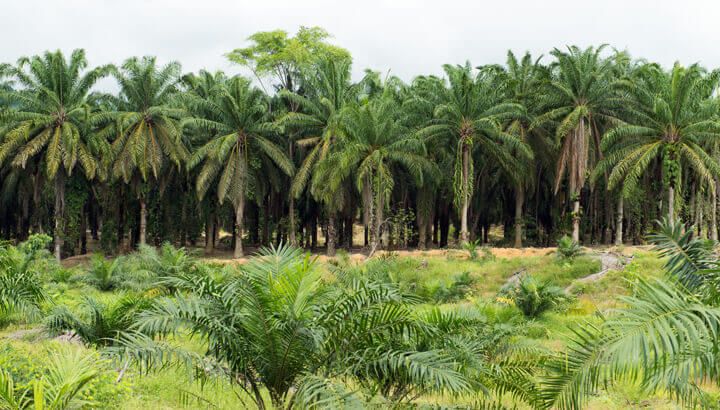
(143, 221)
(519, 199)
(422, 232)
(713, 213)
(209, 234)
(330, 245)
(465, 200)
(619, 222)
(59, 211)
(377, 224)
(671, 203)
(239, 210)
(291, 221)
(576, 220)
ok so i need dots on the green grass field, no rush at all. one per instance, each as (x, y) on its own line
(430, 276)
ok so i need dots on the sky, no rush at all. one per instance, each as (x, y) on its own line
(404, 37)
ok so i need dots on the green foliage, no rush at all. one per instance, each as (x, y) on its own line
(568, 249)
(57, 377)
(21, 290)
(345, 331)
(472, 248)
(534, 297)
(103, 273)
(97, 323)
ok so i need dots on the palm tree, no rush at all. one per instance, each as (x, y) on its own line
(470, 116)
(374, 143)
(523, 79)
(578, 97)
(21, 288)
(98, 323)
(672, 118)
(236, 117)
(48, 121)
(300, 339)
(145, 127)
(329, 91)
(68, 378)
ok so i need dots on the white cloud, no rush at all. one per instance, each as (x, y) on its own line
(406, 37)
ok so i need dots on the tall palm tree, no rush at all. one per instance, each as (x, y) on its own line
(145, 128)
(577, 98)
(47, 123)
(235, 115)
(470, 116)
(523, 79)
(671, 120)
(374, 143)
(329, 91)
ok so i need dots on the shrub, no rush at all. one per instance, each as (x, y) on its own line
(97, 323)
(472, 248)
(533, 297)
(57, 377)
(568, 249)
(104, 274)
(21, 290)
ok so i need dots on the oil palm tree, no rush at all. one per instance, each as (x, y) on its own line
(299, 338)
(672, 120)
(235, 115)
(578, 97)
(21, 290)
(470, 117)
(145, 128)
(523, 79)
(329, 91)
(374, 144)
(48, 121)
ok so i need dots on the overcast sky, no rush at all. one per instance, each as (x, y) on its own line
(406, 37)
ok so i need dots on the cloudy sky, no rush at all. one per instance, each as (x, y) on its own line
(404, 36)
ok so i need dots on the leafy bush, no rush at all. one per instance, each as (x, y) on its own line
(471, 247)
(103, 273)
(533, 297)
(331, 333)
(568, 249)
(57, 377)
(98, 323)
(21, 290)
(439, 292)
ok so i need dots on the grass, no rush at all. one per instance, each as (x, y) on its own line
(173, 388)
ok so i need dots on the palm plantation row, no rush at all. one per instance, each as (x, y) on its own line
(585, 141)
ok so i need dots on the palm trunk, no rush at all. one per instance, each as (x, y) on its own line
(209, 234)
(291, 221)
(465, 197)
(377, 225)
(143, 221)
(330, 245)
(239, 210)
(519, 199)
(671, 203)
(422, 232)
(619, 222)
(713, 213)
(576, 221)
(59, 211)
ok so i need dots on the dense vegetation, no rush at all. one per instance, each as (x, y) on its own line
(579, 147)
(284, 330)
(588, 142)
